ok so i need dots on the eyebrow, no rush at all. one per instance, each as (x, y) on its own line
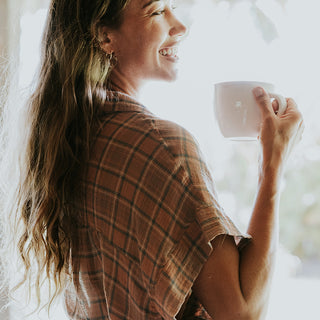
(149, 3)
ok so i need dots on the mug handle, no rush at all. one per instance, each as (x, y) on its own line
(281, 101)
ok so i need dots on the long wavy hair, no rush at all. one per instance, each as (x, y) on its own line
(41, 169)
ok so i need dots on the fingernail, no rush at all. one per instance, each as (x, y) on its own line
(258, 92)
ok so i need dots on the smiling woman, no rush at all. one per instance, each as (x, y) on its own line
(114, 205)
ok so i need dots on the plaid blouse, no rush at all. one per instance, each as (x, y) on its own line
(149, 214)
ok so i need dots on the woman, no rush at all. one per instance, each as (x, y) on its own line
(116, 205)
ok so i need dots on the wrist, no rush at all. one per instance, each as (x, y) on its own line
(272, 162)
(271, 172)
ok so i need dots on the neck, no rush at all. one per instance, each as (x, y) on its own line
(121, 83)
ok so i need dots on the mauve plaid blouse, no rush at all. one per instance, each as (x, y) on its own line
(149, 214)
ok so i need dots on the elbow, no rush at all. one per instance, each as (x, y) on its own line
(252, 313)
(238, 310)
(244, 312)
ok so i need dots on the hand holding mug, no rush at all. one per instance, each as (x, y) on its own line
(279, 133)
(236, 110)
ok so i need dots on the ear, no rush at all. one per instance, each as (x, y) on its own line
(104, 37)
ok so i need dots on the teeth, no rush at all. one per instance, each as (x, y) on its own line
(169, 52)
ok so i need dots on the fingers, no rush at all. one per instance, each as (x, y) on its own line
(291, 103)
(270, 108)
(293, 111)
(275, 106)
(263, 101)
(295, 118)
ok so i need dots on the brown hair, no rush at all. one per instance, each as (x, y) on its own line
(46, 167)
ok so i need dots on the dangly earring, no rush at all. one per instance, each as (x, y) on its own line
(110, 55)
(111, 58)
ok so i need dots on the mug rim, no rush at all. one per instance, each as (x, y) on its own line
(244, 82)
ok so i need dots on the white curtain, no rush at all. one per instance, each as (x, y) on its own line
(10, 15)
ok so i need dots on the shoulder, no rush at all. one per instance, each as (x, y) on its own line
(175, 138)
(142, 126)
(134, 130)
(183, 148)
(132, 120)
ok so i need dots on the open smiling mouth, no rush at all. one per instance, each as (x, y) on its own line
(170, 52)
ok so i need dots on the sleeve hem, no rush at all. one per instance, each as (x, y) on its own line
(177, 277)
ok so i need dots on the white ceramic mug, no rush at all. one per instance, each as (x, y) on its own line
(236, 110)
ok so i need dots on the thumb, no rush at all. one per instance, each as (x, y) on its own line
(263, 100)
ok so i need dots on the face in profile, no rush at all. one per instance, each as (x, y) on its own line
(146, 43)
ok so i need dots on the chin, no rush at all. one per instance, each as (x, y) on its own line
(169, 76)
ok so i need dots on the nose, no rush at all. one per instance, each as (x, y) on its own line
(178, 29)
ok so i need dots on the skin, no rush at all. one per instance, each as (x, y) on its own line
(232, 284)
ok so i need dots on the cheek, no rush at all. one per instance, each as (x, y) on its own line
(152, 39)
(146, 51)
(141, 45)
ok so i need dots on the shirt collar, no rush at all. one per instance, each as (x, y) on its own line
(120, 102)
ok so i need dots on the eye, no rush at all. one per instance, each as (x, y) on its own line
(158, 13)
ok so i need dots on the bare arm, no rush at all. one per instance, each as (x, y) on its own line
(235, 285)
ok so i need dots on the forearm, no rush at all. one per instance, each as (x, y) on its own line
(258, 257)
